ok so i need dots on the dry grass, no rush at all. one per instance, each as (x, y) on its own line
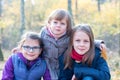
(1, 67)
(114, 65)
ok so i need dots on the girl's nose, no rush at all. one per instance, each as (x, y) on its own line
(31, 50)
(81, 44)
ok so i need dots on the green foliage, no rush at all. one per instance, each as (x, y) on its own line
(2, 24)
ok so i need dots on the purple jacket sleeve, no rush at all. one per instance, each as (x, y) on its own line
(8, 73)
(47, 75)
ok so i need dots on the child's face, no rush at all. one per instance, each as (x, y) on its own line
(81, 42)
(58, 27)
(31, 49)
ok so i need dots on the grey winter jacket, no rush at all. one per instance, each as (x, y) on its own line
(52, 50)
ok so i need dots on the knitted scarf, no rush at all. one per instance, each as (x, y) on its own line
(76, 56)
(53, 35)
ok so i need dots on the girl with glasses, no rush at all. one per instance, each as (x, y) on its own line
(28, 63)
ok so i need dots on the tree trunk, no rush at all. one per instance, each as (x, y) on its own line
(22, 17)
(70, 9)
(99, 8)
(69, 6)
(1, 54)
(76, 9)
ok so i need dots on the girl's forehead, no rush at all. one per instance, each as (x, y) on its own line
(60, 18)
(30, 40)
(80, 31)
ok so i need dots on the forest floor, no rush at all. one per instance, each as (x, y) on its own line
(1, 67)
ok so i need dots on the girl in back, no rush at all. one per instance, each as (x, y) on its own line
(55, 37)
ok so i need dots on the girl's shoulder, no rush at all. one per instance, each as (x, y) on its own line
(101, 53)
(97, 51)
(14, 55)
(43, 31)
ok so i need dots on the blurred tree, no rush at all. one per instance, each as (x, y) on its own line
(69, 6)
(76, 9)
(70, 9)
(1, 54)
(99, 2)
(0, 8)
(31, 14)
(99, 8)
(22, 11)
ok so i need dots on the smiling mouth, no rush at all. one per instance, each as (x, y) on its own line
(81, 49)
(57, 29)
(31, 55)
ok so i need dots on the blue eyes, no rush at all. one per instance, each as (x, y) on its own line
(83, 41)
(55, 22)
(63, 23)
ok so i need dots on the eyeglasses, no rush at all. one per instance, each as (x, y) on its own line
(32, 49)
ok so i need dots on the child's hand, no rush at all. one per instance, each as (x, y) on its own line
(103, 51)
(102, 46)
(73, 77)
(15, 50)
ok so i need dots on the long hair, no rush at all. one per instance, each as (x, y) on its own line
(60, 14)
(89, 55)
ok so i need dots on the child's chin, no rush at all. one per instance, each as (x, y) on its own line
(30, 59)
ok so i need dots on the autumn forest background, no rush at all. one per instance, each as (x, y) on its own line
(18, 16)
